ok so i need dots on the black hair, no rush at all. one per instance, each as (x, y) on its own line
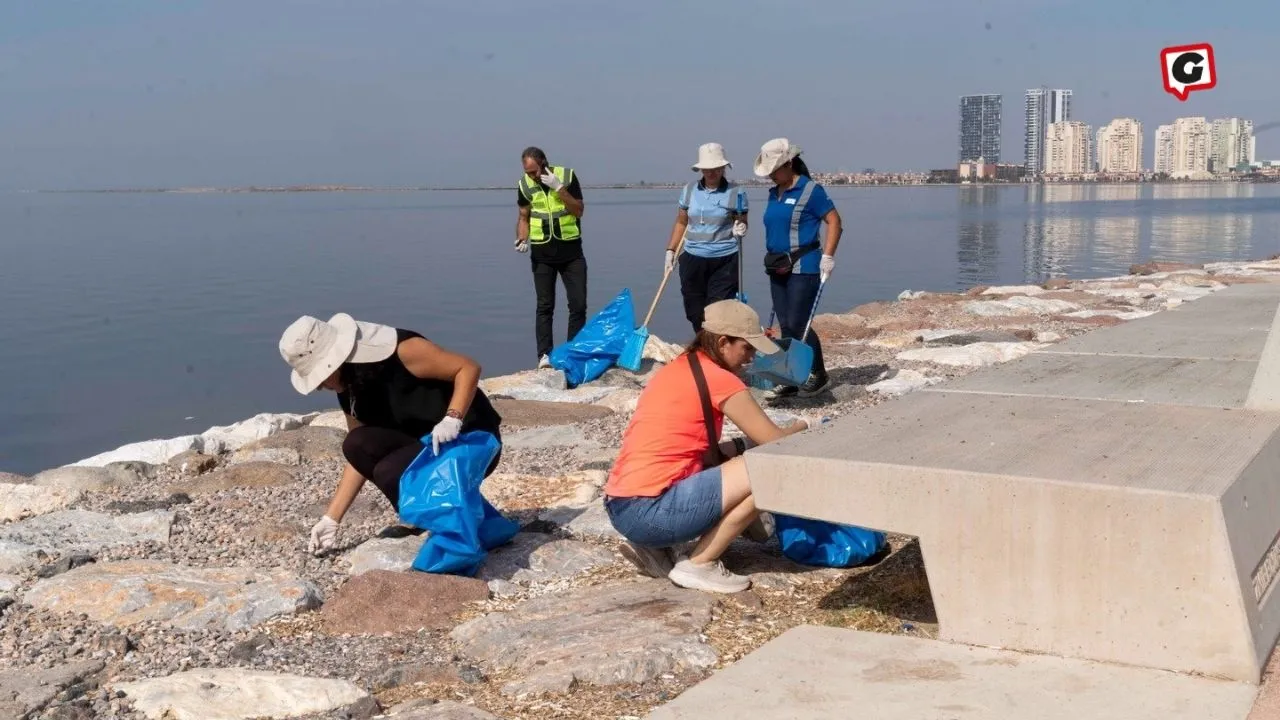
(535, 153)
(799, 168)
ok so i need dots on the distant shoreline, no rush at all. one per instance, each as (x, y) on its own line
(612, 186)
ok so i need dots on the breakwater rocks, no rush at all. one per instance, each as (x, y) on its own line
(170, 578)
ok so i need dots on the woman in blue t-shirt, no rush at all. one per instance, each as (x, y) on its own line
(798, 206)
(712, 219)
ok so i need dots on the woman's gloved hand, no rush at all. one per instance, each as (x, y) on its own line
(669, 261)
(825, 267)
(445, 432)
(324, 535)
(739, 229)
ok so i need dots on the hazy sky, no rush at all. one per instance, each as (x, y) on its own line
(141, 94)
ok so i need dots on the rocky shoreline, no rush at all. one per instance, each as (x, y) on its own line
(172, 576)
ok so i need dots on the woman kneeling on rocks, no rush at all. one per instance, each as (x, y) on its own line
(670, 484)
(396, 389)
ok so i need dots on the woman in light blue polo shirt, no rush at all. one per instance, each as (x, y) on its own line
(712, 219)
(798, 206)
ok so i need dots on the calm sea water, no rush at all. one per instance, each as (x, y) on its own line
(131, 316)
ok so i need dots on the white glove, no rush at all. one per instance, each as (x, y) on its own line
(522, 246)
(550, 180)
(445, 432)
(669, 261)
(324, 535)
(739, 229)
(826, 266)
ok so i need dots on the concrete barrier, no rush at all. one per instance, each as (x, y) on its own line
(1115, 497)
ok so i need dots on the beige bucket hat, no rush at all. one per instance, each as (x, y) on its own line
(710, 157)
(773, 155)
(736, 319)
(314, 348)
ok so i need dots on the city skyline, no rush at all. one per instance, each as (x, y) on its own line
(1054, 143)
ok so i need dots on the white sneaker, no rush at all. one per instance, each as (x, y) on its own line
(711, 577)
(544, 362)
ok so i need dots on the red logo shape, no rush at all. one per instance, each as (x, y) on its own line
(1188, 68)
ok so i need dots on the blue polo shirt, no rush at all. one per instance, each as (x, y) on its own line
(710, 231)
(780, 217)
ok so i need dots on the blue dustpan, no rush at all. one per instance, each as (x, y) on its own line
(789, 367)
(633, 351)
(793, 365)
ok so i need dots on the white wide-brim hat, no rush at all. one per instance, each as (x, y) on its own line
(710, 157)
(773, 155)
(315, 348)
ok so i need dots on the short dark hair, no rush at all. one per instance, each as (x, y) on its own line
(535, 153)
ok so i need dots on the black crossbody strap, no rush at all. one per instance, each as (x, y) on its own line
(714, 456)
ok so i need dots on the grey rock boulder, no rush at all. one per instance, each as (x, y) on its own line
(602, 635)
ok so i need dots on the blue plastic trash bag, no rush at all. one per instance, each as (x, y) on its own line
(442, 495)
(817, 542)
(598, 345)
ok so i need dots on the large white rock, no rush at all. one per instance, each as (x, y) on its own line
(1014, 290)
(255, 428)
(1120, 314)
(237, 694)
(332, 419)
(976, 354)
(546, 385)
(156, 452)
(1019, 305)
(213, 441)
(658, 350)
(903, 382)
(1265, 267)
(18, 502)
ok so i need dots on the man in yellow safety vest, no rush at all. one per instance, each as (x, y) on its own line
(549, 228)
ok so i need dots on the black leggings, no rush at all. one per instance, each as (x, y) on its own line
(381, 455)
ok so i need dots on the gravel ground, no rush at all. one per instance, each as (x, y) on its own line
(266, 527)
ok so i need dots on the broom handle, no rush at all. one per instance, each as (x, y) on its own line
(814, 311)
(666, 274)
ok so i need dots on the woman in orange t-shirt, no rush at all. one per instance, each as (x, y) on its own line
(668, 486)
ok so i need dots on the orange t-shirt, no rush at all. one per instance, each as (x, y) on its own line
(667, 437)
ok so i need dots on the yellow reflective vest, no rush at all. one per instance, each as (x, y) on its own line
(548, 216)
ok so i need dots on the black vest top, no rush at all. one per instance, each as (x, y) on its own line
(385, 394)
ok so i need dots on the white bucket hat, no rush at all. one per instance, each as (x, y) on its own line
(710, 157)
(315, 348)
(774, 154)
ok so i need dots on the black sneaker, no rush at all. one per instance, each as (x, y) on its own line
(815, 385)
(782, 391)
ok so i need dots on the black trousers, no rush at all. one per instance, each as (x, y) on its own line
(573, 273)
(793, 296)
(704, 281)
(381, 455)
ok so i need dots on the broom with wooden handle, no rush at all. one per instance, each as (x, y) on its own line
(633, 351)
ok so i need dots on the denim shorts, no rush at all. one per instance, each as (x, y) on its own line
(685, 511)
